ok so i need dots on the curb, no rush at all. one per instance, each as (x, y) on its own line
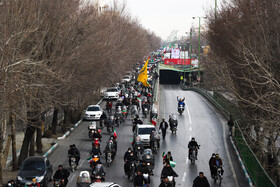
(75, 126)
(241, 162)
(50, 150)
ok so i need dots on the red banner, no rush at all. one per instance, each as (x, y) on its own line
(177, 61)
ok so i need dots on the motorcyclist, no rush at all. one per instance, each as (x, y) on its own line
(114, 139)
(127, 154)
(137, 143)
(136, 102)
(96, 134)
(95, 151)
(98, 170)
(172, 121)
(34, 183)
(110, 123)
(168, 171)
(145, 105)
(154, 137)
(103, 119)
(62, 174)
(212, 164)
(11, 183)
(181, 101)
(128, 159)
(91, 127)
(139, 180)
(110, 148)
(167, 158)
(109, 106)
(74, 152)
(126, 100)
(201, 181)
(165, 183)
(143, 167)
(218, 164)
(193, 146)
(136, 121)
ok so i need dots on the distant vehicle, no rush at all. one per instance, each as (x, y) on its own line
(104, 184)
(126, 79)
(144, 131)
(37, 167)
(93, 112)
(112, 93)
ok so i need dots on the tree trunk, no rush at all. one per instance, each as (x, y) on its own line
(67, 118)
(39, 145)
(2, 138)
(13, 136)
(32, 146)
(54, 121)
(25, 144)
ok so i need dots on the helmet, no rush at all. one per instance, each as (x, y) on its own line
(137, 116)
(34, 180)
(193, 139)
(217, 155)
(213, 154)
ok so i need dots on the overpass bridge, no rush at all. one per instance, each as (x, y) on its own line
(174, 74)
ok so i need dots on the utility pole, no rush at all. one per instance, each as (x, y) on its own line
(190, 72)
(215, 9)
(199, 46)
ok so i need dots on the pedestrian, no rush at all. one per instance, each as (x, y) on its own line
(163, 127)
(230, 125)
(201, 181)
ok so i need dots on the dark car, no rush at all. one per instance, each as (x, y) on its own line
(38, 167)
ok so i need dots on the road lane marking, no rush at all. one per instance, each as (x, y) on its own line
(190, 128)
(190, 119)
(184, 177)
(225, 143)
(187, 160)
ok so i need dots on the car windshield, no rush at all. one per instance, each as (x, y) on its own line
(93, 108)
(126, 77)
(145, 130)
(33, 165)
(112, 90)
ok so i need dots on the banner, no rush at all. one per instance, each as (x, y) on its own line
(175, 53)
(179, 61)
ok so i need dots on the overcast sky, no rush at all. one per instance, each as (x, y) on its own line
(164, 16)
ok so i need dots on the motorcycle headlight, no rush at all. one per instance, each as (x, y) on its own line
(39, 179)
(19, 178)
(148, 164)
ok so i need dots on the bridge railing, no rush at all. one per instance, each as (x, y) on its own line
(251, 162)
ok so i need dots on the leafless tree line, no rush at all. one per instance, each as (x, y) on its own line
(244, 60)
(57, 54)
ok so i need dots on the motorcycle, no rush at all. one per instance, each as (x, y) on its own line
(73, 163)
(193, 156)
(147, 178)
(171, 180)
(131, 172)
(145, 112)
(96, 142)
(218, 177)
(58, 183)
(117, 121)
(181, 109)
(83, 179)
(98, 175)
(96, 160)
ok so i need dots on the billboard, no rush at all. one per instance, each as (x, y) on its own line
(177, 61)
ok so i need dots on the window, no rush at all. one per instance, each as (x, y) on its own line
(145, 130)
(93, 108)
(33, 165)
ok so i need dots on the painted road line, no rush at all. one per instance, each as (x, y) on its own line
(184, 177)
(190, 119)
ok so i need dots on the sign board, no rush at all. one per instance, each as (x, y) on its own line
(179, 61)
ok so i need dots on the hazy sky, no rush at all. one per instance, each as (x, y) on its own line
(164, 16)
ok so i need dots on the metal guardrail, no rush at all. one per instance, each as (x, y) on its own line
(251, 162)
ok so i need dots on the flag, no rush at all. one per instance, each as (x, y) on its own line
(143, 76)
(90, 160)
(163, 153)
(172, 163)
(139, 99)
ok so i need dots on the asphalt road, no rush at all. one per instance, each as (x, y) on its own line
(200, 120)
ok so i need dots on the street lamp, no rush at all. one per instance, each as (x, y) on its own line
(199, 44)
(190, 51)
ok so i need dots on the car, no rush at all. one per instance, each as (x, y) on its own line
(126, 79)
(38, 167)
(93, 112)
(144, 131)
(104, 184)
(112, 93)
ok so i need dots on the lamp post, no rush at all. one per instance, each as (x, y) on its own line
(215, 9)
(190, 72)
(199, 44)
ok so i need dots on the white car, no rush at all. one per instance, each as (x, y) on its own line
(104, 184)
(93, 112)
(112, 93)
(144, 131)
(126, 79)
